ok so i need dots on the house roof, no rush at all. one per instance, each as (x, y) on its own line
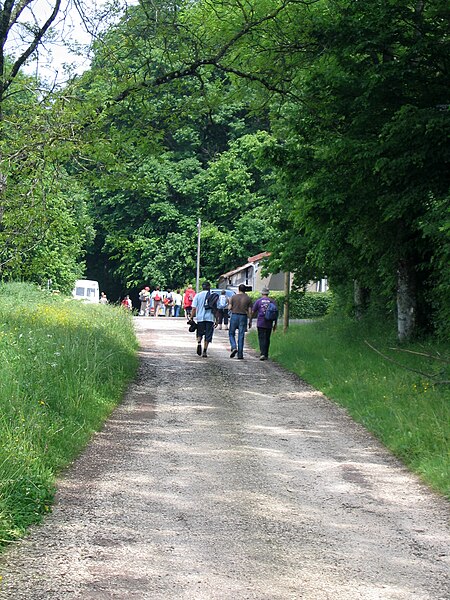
(250, 263)
(257, 257)
(234, 271)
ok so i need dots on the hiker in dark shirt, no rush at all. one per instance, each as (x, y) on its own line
(240, 306)
(264, 325)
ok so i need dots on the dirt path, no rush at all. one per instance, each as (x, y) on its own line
(226, 479)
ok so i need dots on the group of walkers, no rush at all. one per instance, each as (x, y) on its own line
(210, 312)
(165, 303)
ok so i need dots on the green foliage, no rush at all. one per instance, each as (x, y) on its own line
(404, 409)
(316, 130)
(436, 231)
(43, 218)
(64, 365)
(202, 163)
(365, 149)
(308, 305)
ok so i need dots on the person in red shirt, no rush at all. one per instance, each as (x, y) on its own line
(126, 303)
(188, 296)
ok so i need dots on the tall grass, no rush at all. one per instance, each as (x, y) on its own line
(407, 411)
(64, 365)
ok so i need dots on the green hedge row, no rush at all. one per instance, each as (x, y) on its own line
(308, 305)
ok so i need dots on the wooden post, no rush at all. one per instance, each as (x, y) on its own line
(287, 285)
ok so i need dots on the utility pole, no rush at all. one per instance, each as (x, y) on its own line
(197, 283)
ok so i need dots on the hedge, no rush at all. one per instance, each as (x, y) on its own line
(307, 305)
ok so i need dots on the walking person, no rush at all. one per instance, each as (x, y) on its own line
(205, 319)
(103, 298)
(144, 299)
(156, 298)
(264, 324)
(126, 303)
(240, 306)
(168, 302)
(222, 310)
(177, 302)
(188, 298)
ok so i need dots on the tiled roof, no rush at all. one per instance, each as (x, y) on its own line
(259, 256)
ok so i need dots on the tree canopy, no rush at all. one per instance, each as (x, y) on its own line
(316, 129)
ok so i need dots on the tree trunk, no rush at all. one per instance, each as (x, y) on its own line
(360, 299)
(406, 300)
(287, 289)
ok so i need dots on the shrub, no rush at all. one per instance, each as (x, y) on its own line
(303, 305)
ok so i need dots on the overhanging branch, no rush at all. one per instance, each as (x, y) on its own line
(215, 60)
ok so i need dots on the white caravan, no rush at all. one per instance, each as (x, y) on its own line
(86, 289)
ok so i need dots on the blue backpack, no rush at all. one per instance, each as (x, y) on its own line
(271, 313)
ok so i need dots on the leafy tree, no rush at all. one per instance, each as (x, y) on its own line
(42, 220)
(162, 157)
(44, 223)
(365, 148)
(356, 95)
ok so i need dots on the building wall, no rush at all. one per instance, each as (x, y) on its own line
(275, 282)
(321, 285)
(251, 277)
(245, 276)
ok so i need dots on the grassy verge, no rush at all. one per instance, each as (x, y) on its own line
(407, 411)
(64, 365)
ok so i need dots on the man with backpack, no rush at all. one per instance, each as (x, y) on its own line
(156, 298)
(222, 310)
(266, 311)
(203, 307)
(168, 302)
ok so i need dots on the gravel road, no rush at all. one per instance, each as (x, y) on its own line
(230, 480)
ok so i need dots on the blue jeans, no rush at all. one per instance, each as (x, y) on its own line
(176, 310)
(238, 322)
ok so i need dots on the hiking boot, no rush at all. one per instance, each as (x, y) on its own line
(199, 349)
(233, 353)
(262, 357)
(204, 355)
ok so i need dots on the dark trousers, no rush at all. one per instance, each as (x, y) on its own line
(264, 340)
(222, 316)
